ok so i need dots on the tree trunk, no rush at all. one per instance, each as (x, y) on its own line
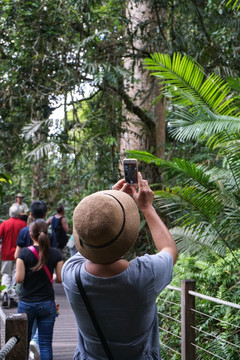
(144, 89)
(37, 181)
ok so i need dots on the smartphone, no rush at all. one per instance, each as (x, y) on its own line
(130, 171)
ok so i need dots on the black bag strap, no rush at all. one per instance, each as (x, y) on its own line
(92, 315)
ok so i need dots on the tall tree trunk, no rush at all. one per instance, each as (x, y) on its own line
(37, 180)
(145, 88)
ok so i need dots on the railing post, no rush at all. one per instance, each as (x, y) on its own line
(188, 320)
(17, 325)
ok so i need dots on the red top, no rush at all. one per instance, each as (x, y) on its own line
(9, 230)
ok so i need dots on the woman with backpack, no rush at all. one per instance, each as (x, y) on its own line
(59, 230)
(35, 266)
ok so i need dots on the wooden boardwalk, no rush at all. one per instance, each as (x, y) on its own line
(65, 329)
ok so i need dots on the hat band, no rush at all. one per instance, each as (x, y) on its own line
(115, 238)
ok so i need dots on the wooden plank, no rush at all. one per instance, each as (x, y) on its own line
(65, 329)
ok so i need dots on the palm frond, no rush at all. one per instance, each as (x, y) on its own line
(188, 125)
(208, 205)
(235, 4)
(202, 238)
(182, 78)
(229, 150)
(42, 150)
(32, 128)
(179, 168)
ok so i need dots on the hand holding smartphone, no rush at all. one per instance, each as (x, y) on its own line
(130, 171)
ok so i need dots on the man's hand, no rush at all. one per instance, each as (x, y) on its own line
(144, 196)
(118, 185)
(122, 185)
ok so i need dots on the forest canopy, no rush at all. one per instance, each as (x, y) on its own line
(83, 58)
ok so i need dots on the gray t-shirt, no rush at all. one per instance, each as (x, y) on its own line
(125, 307)
(20, 208)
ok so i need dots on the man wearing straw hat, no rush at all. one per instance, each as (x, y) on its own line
(122, 294)
(20, 206)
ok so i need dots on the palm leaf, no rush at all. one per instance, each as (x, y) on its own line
(42, 150)
(192, 241)
(32, 128)
(180, 168)
(188, 125)
(235, 4)
(182, 77)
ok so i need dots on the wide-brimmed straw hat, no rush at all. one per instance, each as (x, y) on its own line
(20, 195)
(105, 225)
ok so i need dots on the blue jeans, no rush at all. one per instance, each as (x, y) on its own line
(45, 313)
(34, 335)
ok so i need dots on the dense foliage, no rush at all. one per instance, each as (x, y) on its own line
(216, 325)
(71, 55)
(201, 199)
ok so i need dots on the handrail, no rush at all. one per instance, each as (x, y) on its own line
(206, 297)
(170, 287)
(218, 301)
(188, 328)
(9, 346)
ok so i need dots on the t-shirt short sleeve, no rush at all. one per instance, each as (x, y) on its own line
(24, 238)
(69, 266)
(162, 263)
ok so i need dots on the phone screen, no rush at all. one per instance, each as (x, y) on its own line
(130, 171)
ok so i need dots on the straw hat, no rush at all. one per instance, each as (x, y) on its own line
(20, 195)
(105, 225)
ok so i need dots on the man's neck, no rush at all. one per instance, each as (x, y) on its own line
(107, 270)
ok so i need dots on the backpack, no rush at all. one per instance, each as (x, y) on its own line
(61, 235)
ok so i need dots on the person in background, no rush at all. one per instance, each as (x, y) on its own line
(59, 220)
(20, 206)
(38, 210)
(34, 269)
(9, 230)
(122, 293)
(71, 246)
